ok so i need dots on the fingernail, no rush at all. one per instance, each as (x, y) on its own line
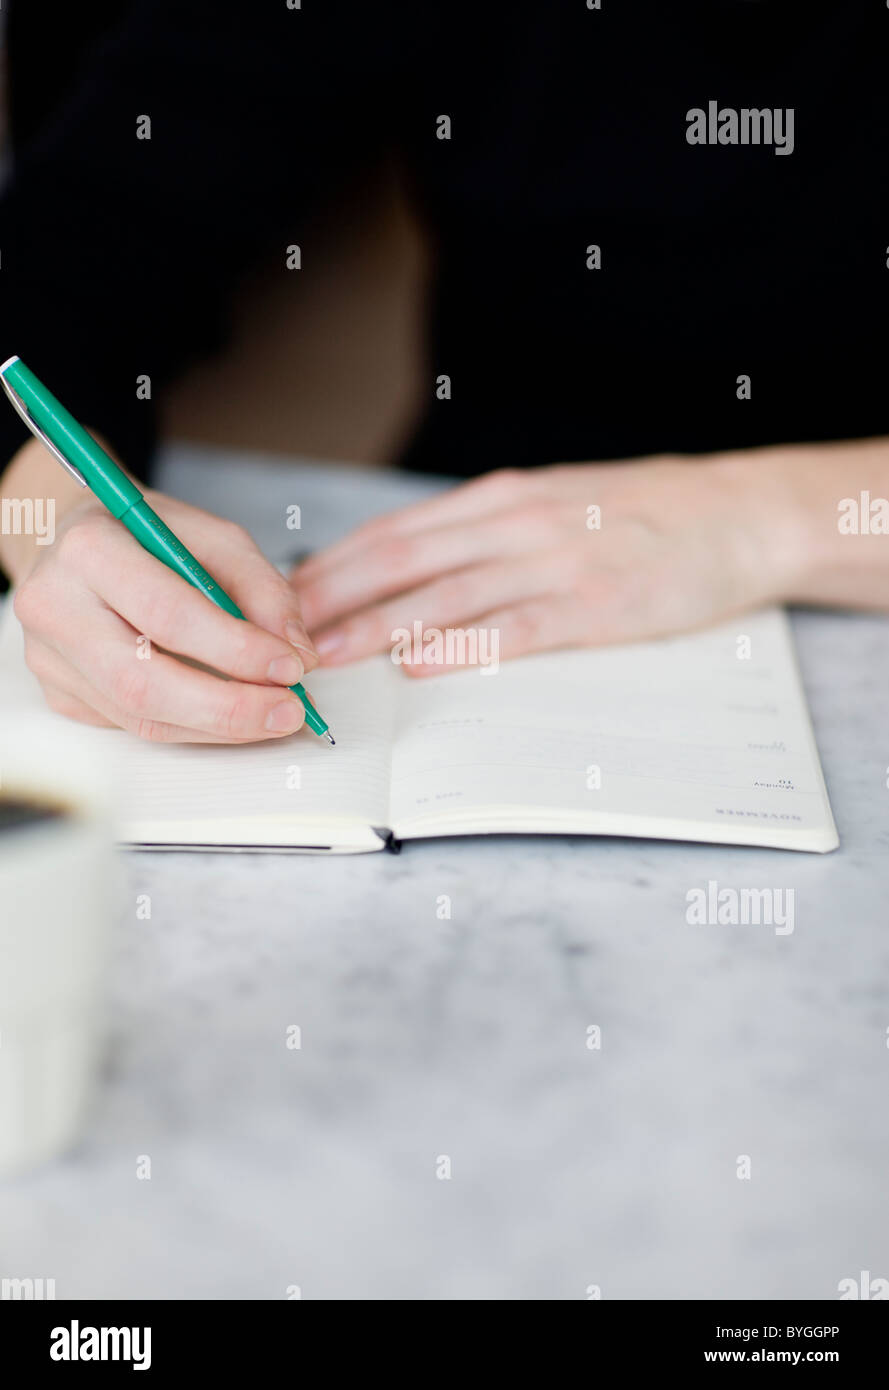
(298, 637)
(330, 644)
(286, 670)
(285, 718)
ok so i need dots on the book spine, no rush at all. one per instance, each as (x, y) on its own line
(388, 837)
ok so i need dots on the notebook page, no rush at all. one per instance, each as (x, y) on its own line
(272, 792)
(687, 737)
(260, 793)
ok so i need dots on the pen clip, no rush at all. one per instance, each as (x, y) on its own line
(21, 409)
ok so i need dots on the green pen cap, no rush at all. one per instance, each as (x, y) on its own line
(74, 445)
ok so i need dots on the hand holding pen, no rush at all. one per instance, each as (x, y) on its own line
(87, 600)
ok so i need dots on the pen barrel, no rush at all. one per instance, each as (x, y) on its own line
(156, 537)
(313, 718)
(114, 489)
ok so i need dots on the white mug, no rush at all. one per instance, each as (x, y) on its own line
(57, 890)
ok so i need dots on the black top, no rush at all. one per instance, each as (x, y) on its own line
(568, 129)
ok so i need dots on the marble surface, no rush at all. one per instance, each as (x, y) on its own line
(274, 1167)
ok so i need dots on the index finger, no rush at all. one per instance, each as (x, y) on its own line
(165, 608)
(473, 501)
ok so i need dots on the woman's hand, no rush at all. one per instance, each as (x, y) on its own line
(675, 544)
(87, 603)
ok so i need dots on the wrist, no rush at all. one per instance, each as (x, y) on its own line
(826, 480)
(36, 494)
(771, 528)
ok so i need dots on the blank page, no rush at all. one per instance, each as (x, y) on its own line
(698, 736)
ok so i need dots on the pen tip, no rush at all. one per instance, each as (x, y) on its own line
(330, 738)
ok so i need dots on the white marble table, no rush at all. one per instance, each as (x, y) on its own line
(274, 1167)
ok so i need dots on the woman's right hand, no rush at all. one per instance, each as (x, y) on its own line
(88, 602)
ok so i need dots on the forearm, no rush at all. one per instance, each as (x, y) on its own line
(798, 493)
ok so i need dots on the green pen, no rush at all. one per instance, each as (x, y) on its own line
(91, 467)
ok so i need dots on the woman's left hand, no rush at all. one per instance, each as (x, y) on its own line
(676, 543)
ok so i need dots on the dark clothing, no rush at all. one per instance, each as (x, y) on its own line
(568, 130)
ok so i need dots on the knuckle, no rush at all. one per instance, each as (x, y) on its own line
(375, 529)
(548, 509)
(77, 545)
(163, 615)
(399, 553)
(151, 730)
(129, 686)
(236, 716)
(525, 625)
(504, 482)
(461, 594)
(244, 656)
(534, 517)
(61, 703)
(36, 658)
(284, 597)
(604, 589)
(584, 595)
(569, 571)
(279, 584)
(57, 701)
(28, 603)
(235, 534)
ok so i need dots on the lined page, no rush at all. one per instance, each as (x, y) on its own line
(701, 736)
(265, 793)
(270, 792)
